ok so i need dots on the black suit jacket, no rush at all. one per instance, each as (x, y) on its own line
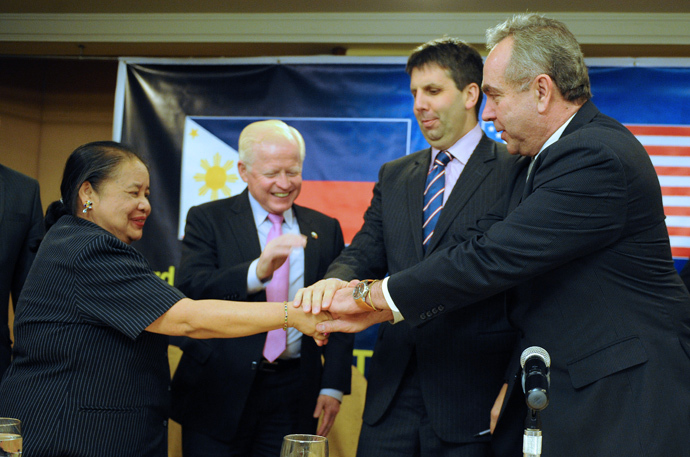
(589, 251)
(461, 358)
(214, 377)
(21, 230)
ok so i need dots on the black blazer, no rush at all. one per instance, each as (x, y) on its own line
(21, 230)
(589, 251)
(461, 358)
(214, 377)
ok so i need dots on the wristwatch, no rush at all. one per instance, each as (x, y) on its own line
(362, 293)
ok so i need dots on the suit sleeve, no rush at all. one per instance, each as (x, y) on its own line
(337, 371)
(30, 243)
(578, 205)
(365, 257)
(199, 275)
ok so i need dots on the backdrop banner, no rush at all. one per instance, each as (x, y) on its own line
(355, 114)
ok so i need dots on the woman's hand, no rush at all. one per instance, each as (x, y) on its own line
(306, 322)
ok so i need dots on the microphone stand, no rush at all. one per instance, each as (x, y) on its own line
(531, 441)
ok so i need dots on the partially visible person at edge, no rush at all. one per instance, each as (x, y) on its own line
(21, 230)
(425, 395)
(90, 374)
(585, 246)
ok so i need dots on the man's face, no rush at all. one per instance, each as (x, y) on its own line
(514, 113)
(274, 178)
(440, 107)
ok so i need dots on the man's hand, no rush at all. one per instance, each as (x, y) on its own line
(276, 253)
(353, 323)
(306, 323)
(498, 404)
(319, 295)
(330, 407)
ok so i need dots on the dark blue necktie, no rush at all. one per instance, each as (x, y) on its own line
(433, 194)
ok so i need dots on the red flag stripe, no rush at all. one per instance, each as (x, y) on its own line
(665, 130)
(672, 171)
(682, 151)
(676, 210)
(675, 191)
(678, 231)
(680, 252)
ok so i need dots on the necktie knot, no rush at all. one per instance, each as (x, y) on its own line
(276, 219)
(443, 158)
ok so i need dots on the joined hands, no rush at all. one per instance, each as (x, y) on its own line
(335, 297)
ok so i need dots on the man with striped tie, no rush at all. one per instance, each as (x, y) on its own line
(425, 396)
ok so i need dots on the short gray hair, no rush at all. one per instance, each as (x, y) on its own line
(260, 131)
(543, 46)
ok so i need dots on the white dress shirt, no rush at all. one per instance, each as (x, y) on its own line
(296, 278)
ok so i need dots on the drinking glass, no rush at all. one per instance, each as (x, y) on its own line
(304, 446)
(10, 437)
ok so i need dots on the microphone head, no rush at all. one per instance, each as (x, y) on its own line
(535, 351)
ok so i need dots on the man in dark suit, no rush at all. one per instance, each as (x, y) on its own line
(229, 398)
(21, 230)
(422, 401)
(587, 247)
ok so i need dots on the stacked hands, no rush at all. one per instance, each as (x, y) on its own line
(333, 300)
(328, 304)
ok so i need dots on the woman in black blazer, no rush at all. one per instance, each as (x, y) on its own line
(90, 373)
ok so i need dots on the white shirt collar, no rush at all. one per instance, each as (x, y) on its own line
(463, 148)
(556, 135)
(260, 214)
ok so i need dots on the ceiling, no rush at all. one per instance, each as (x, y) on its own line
(222, 28)
(338, 6)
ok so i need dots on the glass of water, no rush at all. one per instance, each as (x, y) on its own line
(304, 446)
(10, 437)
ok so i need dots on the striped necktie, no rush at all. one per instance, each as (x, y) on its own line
(433, 194)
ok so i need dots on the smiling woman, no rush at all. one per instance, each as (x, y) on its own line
(89, 374)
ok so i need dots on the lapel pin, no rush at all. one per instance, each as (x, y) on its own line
(315, 235)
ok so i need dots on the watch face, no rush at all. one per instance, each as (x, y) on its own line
(360, 291)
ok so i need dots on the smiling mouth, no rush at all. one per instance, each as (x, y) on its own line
(281, 194)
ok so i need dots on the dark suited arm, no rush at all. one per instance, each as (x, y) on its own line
(560, 221)
(199, 275)
(337, 371)
(31, 241)
(365, 257)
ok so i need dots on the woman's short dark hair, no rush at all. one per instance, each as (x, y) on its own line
(93, 162)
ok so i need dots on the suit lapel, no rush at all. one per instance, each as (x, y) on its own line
(417, 172)
(311, 252)
(474, 172)
(583, 116)
(241, 222)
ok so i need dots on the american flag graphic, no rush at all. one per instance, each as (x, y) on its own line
(669, 149)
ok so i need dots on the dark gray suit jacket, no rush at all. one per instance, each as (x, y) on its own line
(214, 377)
(21, 230)
(461, 358)
(589, 251)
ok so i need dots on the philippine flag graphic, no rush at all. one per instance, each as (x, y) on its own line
(343, 156)
(669, 149)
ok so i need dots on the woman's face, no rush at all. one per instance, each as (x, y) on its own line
(121, 206)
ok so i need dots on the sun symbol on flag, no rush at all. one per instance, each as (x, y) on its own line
(215, 177)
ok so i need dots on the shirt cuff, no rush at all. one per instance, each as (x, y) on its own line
(338, 395)
(397, 316)
(254, 284)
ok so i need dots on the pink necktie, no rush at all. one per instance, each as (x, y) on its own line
(277, 290)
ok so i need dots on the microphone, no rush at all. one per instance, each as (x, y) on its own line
(535, 363)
